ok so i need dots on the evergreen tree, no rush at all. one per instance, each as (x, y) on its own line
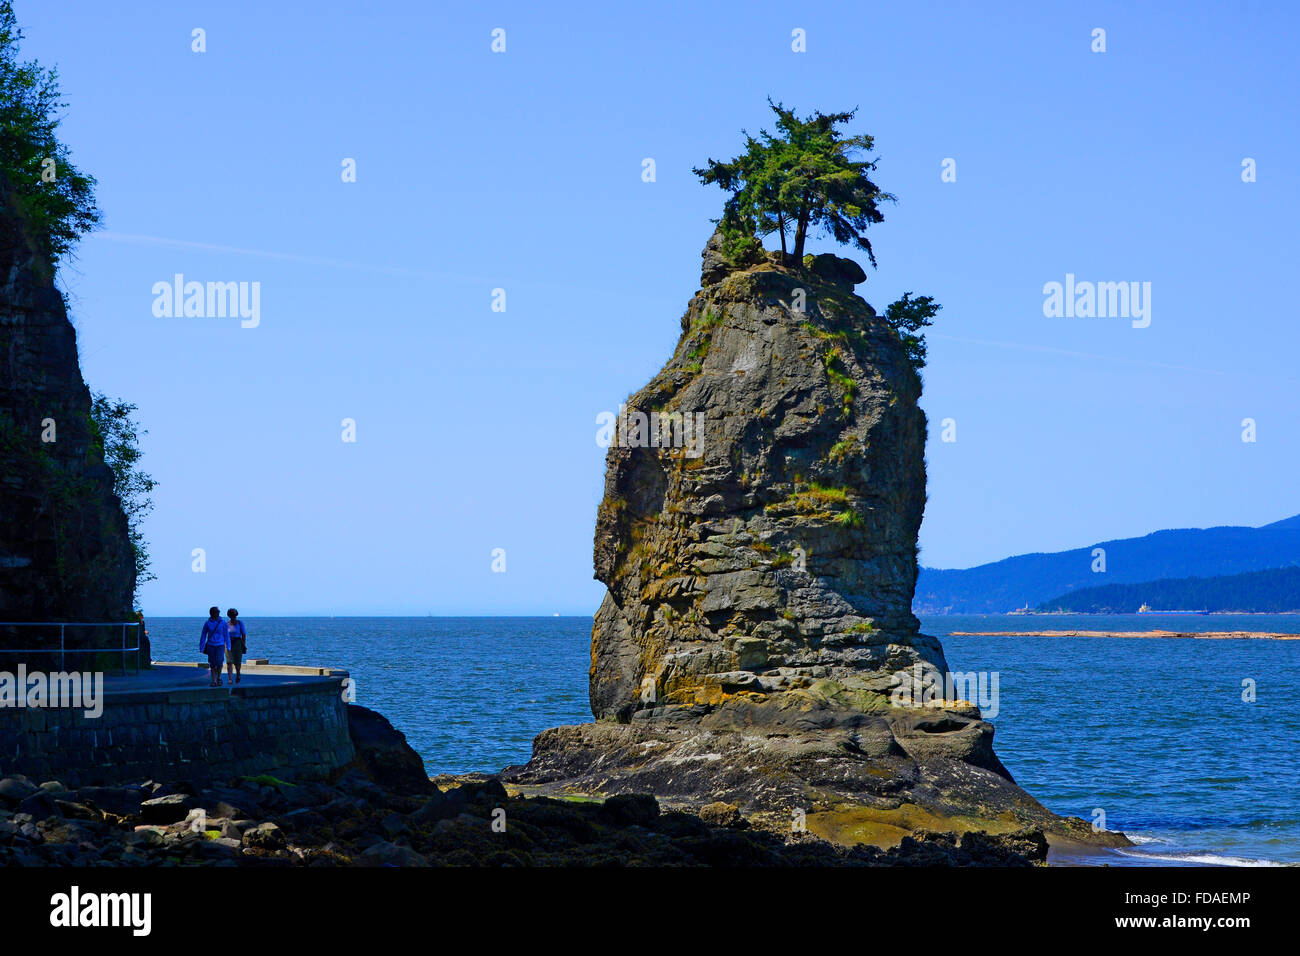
(806, 176)
(907, 316)
(53, 197)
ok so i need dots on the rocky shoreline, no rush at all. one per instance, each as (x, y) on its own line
(383, 811)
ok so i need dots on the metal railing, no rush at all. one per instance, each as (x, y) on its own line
(64, 650)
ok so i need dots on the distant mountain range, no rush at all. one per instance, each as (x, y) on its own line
(1029, 580)
(1255, 592)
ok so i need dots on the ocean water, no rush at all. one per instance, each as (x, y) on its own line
(1154, 733)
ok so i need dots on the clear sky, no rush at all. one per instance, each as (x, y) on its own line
(522, 170)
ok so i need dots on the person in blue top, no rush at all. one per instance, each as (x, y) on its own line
(238, 646)
(213, 641)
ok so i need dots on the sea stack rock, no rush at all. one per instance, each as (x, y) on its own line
(762, 499)
(757, 537)
(65, 552)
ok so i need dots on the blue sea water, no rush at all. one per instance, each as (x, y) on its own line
(1154, 732)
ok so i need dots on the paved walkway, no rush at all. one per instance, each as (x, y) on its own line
(166, 677)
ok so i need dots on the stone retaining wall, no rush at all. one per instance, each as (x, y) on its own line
(298, 729)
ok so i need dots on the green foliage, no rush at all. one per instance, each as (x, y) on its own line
(839, 336)
(31, 464)
(711, 320)
(907, 316)
(702, 327)
(817, 499)
(835, 370)
(800, 179)
(67, 511)
(116, 435)
(848, 519)
(58, 211)
(739, 244)
(266, 780)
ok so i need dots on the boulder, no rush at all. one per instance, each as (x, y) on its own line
(15, 789)
(78, 811)
(232, 802)
(720, 814)
(123, 801)
(172, 808)
(218, 850)
(145, 836)
(264, 836)
(836, 270)
(41, 804)
(230, 829)
(433, 810)
(384, 853)
(384, 754)
(632, 809)
(716, 266)
(1006, 849)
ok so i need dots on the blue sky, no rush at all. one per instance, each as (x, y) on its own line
(522, 170)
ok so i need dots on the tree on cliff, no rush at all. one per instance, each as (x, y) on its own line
(53, 197)
(117, 437)
(907, 316)
(802, 178)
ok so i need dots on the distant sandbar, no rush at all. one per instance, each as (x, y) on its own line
(1204, 635)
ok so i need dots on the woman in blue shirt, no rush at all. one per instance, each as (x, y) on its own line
(213, 641)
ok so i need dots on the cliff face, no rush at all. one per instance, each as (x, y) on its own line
(776, 545)
(758, 629)
(64, 546)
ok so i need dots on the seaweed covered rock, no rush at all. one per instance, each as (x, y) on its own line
(354, 822)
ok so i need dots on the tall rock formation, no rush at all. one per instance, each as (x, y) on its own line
(757, 536)
(65, 553)
(776, 544)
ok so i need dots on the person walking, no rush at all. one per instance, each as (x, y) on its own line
(238, 646)
(213, 641)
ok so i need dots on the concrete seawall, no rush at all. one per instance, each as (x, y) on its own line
(169, 725)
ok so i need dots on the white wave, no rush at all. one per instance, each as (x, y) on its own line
(1141, 840)
(1202, 859)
